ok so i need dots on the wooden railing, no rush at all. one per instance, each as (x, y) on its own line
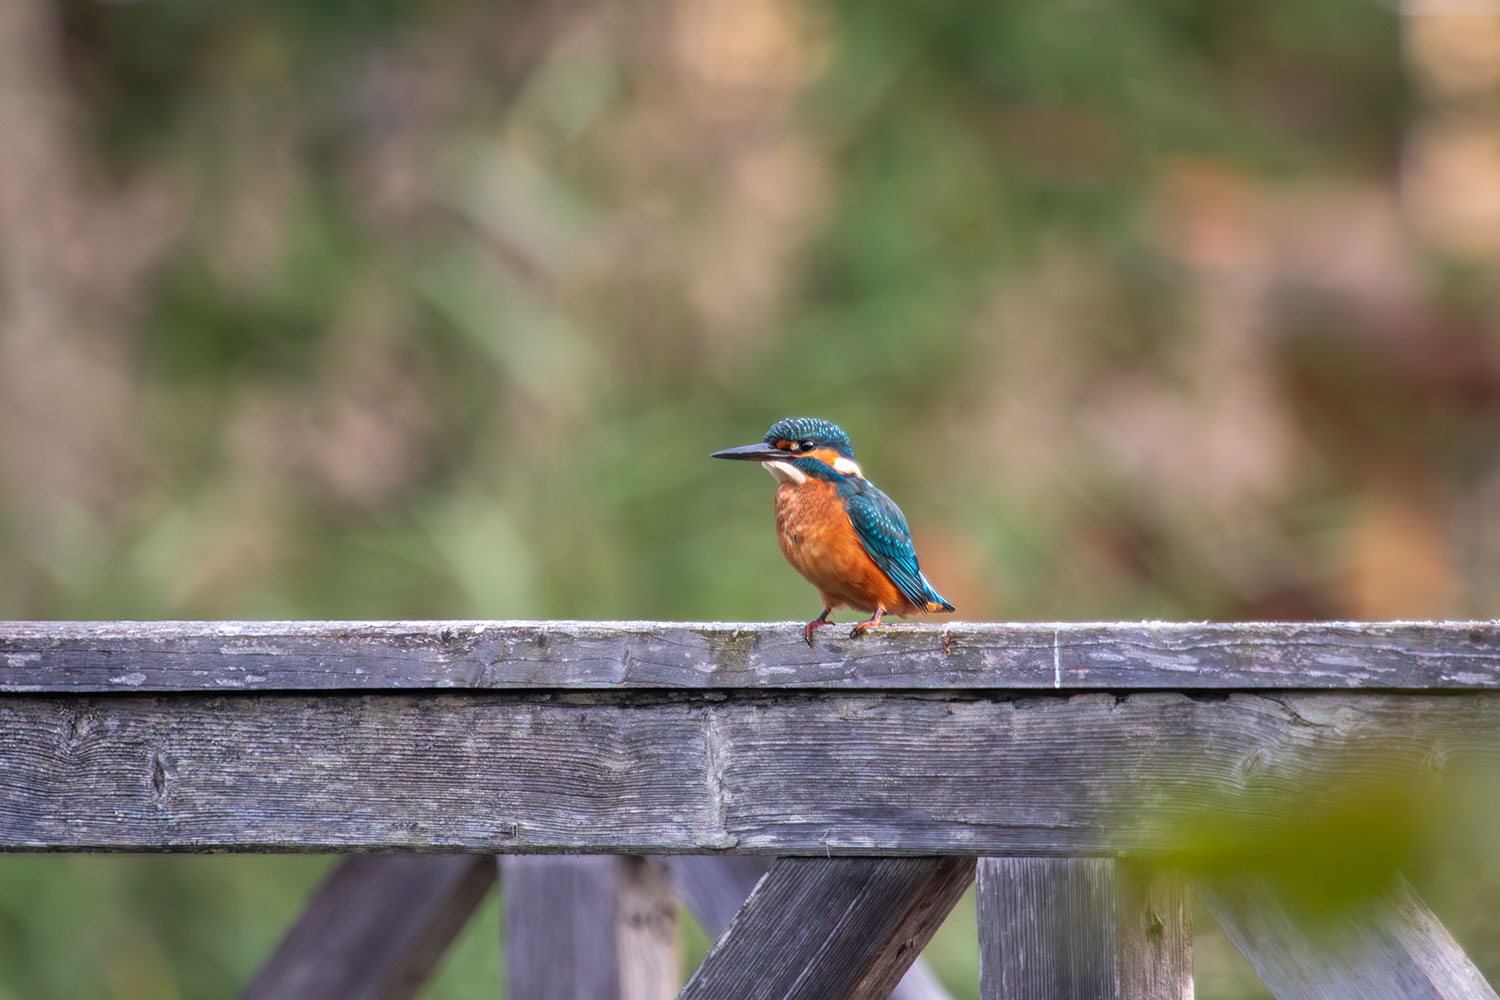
(857, 786)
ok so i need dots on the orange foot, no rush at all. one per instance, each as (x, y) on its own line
(816, 622)
(859, 629)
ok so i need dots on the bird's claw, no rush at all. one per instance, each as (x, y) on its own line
(807, 630)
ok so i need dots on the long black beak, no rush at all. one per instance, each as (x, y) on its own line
(760, 452)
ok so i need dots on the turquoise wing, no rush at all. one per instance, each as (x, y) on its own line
(882, 530)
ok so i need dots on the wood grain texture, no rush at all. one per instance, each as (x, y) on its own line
(559, 928)
(1153, 933)
(1392, 948)
(630, 773)
(831, 929)
(497, 655)
(1047, 929)
(1082, 929)
(375, 928)
(714, 887)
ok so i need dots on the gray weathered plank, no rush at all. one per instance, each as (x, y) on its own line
(627, 772)
(1081, 929)
(831, 929)
(715, 886)
(375, 928)
(588, 928)
(1046, 929)
(308, 656)
(1393, 947)
(559, 928)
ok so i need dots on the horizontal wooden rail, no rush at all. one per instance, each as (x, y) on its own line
(343, 656)
(1087, 774)
(923, 745)
(637, 738)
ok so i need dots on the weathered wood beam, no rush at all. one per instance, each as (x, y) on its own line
(309, 656)
(1081, 929)
(714, 887)
(589, 928)
(646, 773)
(375, 928)
(1046, 929)
(831, 929)
(1393, 947)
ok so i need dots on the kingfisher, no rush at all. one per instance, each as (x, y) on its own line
(836, 528)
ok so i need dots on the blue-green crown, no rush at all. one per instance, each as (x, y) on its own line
(820, 432)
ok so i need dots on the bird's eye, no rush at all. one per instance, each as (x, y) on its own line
(806, 446)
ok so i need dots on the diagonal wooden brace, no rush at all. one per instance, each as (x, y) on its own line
(375, 928)
(831, 929)
(715, 886)
(1391, 947)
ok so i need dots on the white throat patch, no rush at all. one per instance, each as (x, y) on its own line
(847, 467)
(785, 472)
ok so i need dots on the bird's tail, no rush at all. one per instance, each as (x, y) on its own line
(935, 602)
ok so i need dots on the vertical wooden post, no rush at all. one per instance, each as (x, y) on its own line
(588, 928)
(1081, 929)
(1153, 933)
(646, 938)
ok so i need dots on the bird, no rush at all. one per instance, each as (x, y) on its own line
(836, 528)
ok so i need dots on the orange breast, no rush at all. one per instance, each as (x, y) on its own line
(820, 542)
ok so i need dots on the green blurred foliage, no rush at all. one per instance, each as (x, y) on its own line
(389, 310)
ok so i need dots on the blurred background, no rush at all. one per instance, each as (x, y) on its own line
(392, 309)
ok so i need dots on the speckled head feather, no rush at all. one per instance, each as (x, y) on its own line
(821, 433)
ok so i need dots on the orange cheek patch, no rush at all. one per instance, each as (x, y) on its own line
(825, 455)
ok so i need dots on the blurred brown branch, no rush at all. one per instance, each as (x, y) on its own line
(74, 248)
